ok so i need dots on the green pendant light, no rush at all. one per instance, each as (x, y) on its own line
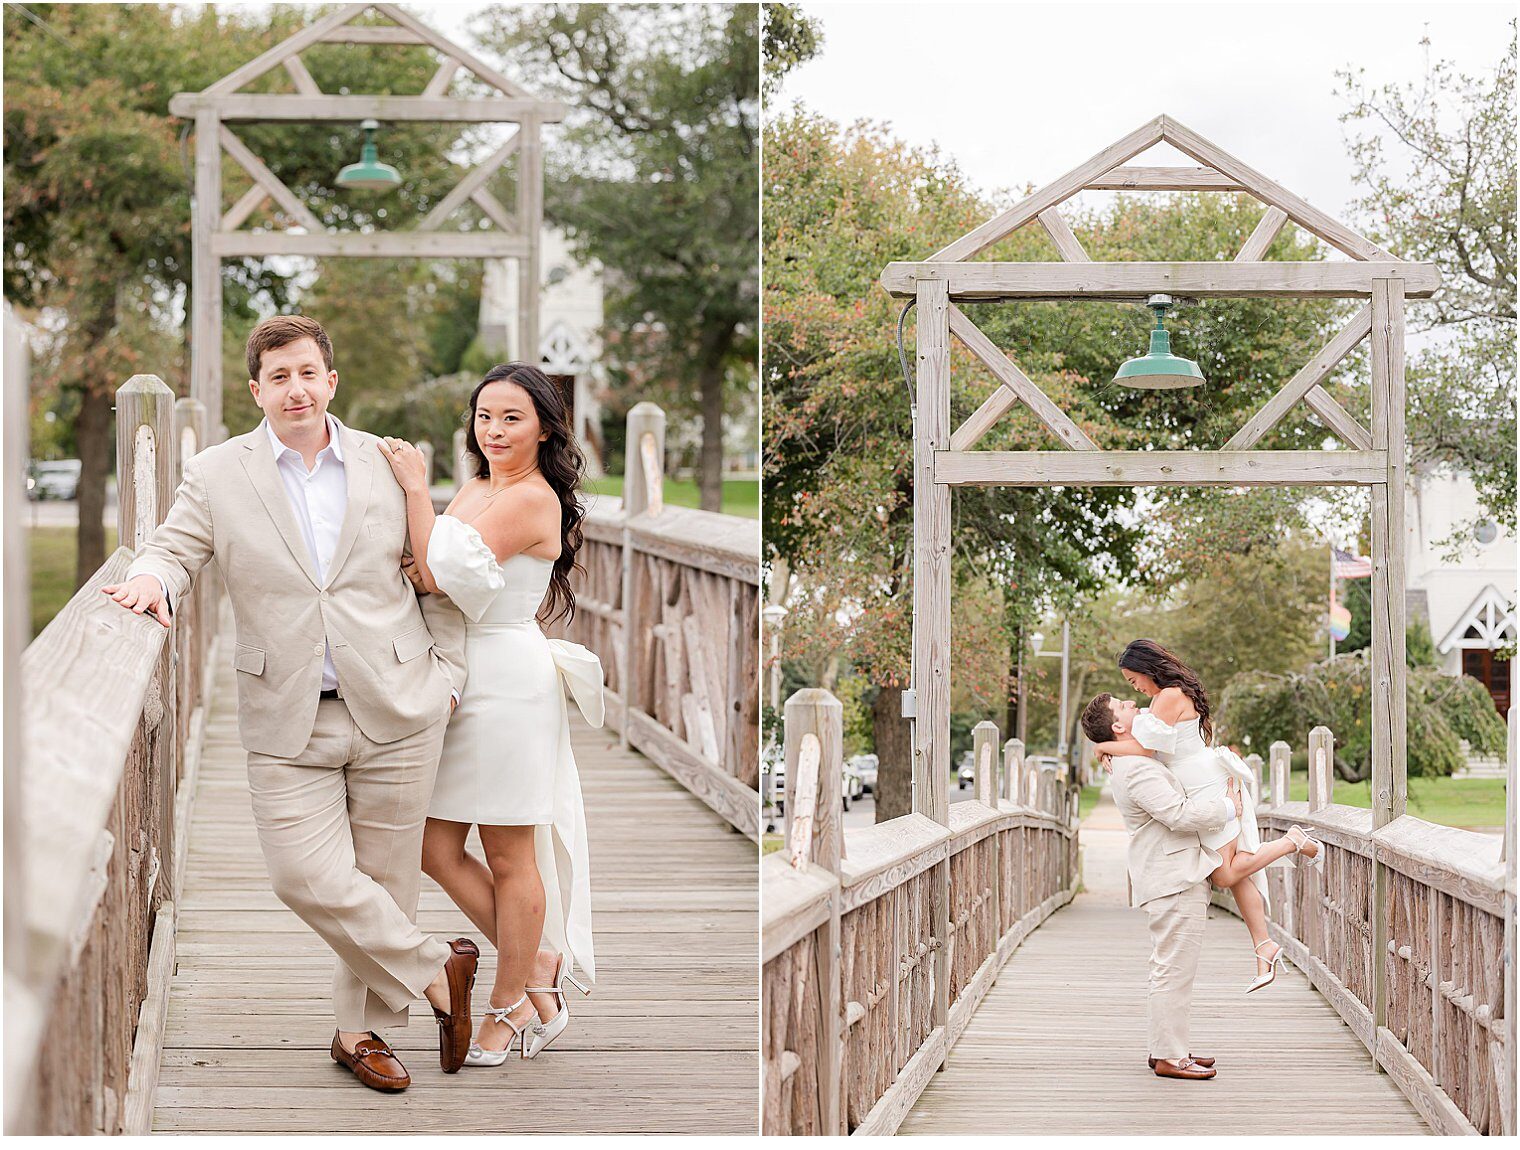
(369, 174)
(1159, 368)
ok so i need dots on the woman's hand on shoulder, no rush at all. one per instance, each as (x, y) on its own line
(407, 463)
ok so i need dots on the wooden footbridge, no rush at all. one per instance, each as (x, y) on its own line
(154, 983)
(986, 984)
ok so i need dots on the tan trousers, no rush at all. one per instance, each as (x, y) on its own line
(1177, 923)
(341, 828)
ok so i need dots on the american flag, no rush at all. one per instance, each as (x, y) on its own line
(1345, 565)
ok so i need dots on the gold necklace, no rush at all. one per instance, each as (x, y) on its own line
(514, 483)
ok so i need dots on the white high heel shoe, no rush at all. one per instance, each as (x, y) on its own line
(1266, 979)
(549, 1031)
(1301, 839)
(522, 1036)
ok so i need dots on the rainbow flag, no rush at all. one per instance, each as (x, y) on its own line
(1340, 621)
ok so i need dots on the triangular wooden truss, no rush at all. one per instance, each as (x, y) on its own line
(1248, 274)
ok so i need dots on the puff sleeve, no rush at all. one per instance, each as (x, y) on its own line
(1153, 734)
(463, 566)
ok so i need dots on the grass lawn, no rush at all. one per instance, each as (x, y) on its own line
(52, 565)
(1448, 802)
(770, 844)
(740, 496)
(1088, 801)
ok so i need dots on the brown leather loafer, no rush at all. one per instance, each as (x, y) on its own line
(373, 1063)
(1182, 1068)
(1151, 1062)
(454, 1030)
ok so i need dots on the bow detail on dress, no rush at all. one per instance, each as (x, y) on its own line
(582, 670)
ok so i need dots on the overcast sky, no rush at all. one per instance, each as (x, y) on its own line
(1021, 93)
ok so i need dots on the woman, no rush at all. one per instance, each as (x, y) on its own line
(1177, 731)
(503, 552)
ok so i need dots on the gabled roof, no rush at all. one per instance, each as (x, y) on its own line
(408, 30)
(1221, 171)
(1488, 623)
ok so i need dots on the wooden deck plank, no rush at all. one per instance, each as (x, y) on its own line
(1058, 1046)
(667, 1043)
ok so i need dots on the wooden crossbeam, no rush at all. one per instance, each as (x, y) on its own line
(1061, 235)
(1160, 468)
(282, 51)
(303, 81)
(1261, 237)
(439, 84)
(1332, 231)
(251, 201)
(372, 34)
(1153, 179)
(472, 181)
(387, 245)
(1051, 195)
(1338, 419)
(1134, 281)
(1014, 386)
(495, 211)
(476, 65)
(1312, 374)
(491, 110)
(271, 183)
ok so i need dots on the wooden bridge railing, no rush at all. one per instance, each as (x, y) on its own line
(853, 1024)
(111, 717)
(1426, 977)
(685, 585)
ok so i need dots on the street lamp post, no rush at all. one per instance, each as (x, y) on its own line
(1037, 641)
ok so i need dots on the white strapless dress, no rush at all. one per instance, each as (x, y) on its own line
(1203, 770)
(507, 759)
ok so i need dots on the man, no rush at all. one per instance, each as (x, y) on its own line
(1169, 870)
(345, 685)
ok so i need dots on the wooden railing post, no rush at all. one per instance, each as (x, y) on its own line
(1508, 1087)
(192, 642)
(1321, 768)
(1257, 785)
(643, 480)
(427, 461)
(1013, 769)
(984, 740)
(147, 472)
(1281, 767)
(464, 467)
(814, 743)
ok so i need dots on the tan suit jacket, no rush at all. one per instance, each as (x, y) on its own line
(1165, 856)
(396, 661)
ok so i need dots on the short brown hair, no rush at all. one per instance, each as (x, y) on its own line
(1098, 718)
(280, 330)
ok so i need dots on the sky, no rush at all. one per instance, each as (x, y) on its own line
(1019, 94)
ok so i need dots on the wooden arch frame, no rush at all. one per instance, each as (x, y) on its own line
(944, 459)
(216, 235)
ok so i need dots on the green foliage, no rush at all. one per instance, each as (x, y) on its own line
(789, 37)
(1438, 158)
(657, 180)
(1338, 694)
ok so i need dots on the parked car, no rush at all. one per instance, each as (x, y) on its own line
(853, 785)
(865, 766)
(773, 781)
(965, 776)
(55, 479)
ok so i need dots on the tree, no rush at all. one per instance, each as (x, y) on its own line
(1337, 693)
(789, 38)
(657, 180)
(1438, 159)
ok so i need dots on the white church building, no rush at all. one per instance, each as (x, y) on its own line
(1466, 593)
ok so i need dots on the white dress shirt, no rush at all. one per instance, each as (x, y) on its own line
(319, 498)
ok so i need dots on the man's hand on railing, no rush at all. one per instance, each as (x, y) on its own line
(141, 594)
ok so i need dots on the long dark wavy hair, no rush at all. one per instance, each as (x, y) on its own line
(1150, 658)
(562, 464)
